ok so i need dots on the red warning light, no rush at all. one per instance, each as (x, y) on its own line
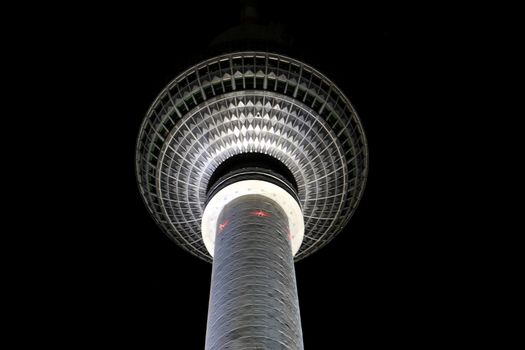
(259, 213)
(223, 225)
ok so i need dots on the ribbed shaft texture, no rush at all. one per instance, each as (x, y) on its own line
(253, 301)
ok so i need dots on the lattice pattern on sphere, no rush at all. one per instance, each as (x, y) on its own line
(251, 102)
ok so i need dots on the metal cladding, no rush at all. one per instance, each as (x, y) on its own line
(251, 102)
(253, 300)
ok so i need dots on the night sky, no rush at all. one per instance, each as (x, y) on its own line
(118, 281)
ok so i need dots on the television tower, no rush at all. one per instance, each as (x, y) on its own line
(252, 160)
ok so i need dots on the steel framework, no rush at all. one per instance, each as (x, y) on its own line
(251, 103)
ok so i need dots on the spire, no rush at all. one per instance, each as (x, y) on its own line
(249, 13)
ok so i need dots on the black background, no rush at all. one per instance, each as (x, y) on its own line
(114, 279)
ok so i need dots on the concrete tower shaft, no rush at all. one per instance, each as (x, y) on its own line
(253, 301)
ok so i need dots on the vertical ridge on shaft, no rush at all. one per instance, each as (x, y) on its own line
(253, 300)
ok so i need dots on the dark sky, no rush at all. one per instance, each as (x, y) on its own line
(117, 281)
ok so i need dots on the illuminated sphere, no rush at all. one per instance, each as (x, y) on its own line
(251, 104)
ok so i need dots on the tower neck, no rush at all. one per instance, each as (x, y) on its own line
(247, 183)
(253, 299)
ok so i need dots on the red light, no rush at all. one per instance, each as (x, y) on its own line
(259, 213)
(223, 225)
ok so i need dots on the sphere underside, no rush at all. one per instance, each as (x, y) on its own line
(251, 103)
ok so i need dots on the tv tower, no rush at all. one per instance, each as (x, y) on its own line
(252, 160)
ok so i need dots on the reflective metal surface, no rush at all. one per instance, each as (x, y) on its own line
(251, 102)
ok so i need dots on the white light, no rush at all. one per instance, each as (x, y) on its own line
(248, 187)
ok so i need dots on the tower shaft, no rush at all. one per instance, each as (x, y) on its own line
(253, 299)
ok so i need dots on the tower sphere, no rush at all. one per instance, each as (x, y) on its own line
(272, 110)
